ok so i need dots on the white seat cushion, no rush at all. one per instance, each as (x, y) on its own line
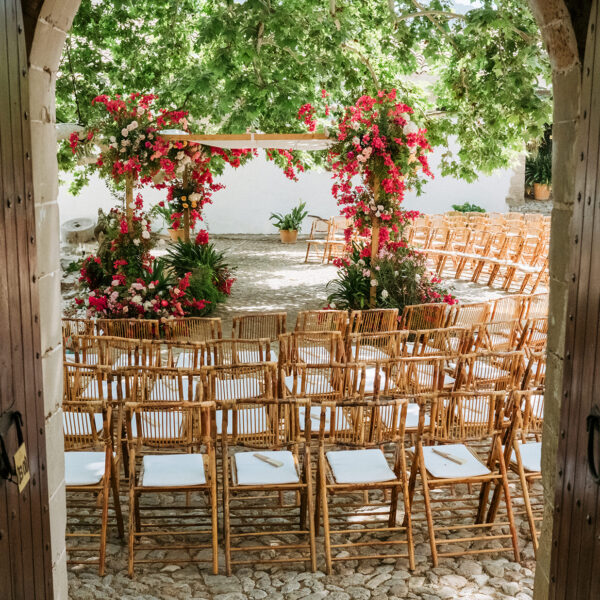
(253, 471)
(483, 369)
(314, 385)
(441, 467)
(531, 456)
(359, 466)
(412, 417)
(425, 376)
(84, 468)
(76, 423)
(315, 418)
(257, 416)
(237, 389)
(173, 470)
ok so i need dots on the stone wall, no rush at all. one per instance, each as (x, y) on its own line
(53, 22)
(559, 38)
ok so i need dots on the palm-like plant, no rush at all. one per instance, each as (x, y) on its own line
(184, 257)
(292, 220)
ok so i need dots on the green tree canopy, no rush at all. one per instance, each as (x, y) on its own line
(474, 73)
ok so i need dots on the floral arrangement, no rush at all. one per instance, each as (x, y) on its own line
(399, 277)
(124, 280)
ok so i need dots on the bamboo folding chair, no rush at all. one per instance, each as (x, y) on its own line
(91, 468)
(424, 316)
(313, 347)
(535, 334)
(501, 336)
(321, 320)
(115, 352)
(376, 347)
(467, 315)
(259, 325)
(238, 351)
(464, 448)
(160, 384)
(266, 469)
(141, 329)
(194, 329)
(171, 452)
(182, 354)
(494, 250)
(508, 308)
(534, 377)
(320, 232)
(446, 341)
(467, 260)
(492, 371)
(373, 320)
(537, 306)
(526, 455)
(74, 327)
(358, 492)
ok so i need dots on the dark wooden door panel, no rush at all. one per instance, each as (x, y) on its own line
(25, 558)
(576, 548)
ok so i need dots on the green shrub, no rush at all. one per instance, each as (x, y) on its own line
(467, 207)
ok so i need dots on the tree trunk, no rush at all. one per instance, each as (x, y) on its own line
(374, 243)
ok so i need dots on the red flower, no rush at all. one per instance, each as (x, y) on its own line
(202, 238)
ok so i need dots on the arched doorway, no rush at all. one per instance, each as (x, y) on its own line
(564, 27)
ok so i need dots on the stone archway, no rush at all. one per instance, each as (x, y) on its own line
(564, 27)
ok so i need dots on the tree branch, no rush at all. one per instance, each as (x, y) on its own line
(430, 13)
(366, 62)
(422, 9)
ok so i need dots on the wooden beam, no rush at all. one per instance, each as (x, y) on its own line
(240, 137)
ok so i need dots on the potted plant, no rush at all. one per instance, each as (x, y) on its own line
(175, 233)
(538, 173)
(289, 224)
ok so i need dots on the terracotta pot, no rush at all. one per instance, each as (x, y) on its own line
(177, 234)
(541, 191)
(288, 236)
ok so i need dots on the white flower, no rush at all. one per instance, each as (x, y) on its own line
(132, 205)
(113, 145)
(378, 213)
(124, 132)
(113, 139)
(332, 305)
(136, 242)
(146, 235)
(133, 125)
(151, 286)
(377, 268)
(361, 262)
(125, 143)
(137, 299)
(115, 282)
(180, 155)
(384, 294)
(355, 140)
(195, 197)
(410, 127)
(373, 282)
(367, 152)
(380, 207)
(395, 273)
(147, 305)
(140, 110)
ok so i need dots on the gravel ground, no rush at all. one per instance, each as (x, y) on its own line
(273, 277)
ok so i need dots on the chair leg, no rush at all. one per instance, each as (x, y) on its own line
(325, 510)
(507, 499)
(432, 541)
(226, 523)
(408, 526)
(132, 529)
(117, 503)
(214, 515)
(310, 509)
(527, 501)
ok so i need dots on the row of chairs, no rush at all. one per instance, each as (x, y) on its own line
(272, 325)
(272, 506)
(508, 261)
(312, 347)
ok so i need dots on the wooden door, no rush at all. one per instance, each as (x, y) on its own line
(574, 571)
(25, 552)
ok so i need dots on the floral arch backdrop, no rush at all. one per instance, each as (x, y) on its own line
(377, 152)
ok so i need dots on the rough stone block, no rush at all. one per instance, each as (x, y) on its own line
(54, 452)
(53, 380)
(47, 225)
(60, 13)
(57, 506)
(60, 579)
(47, 46)
(50, 310)
(41, 93)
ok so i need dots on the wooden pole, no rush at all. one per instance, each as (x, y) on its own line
(186, 211)
(376, 223)
(129, 200)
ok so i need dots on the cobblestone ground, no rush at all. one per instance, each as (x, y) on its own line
(273, 277)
